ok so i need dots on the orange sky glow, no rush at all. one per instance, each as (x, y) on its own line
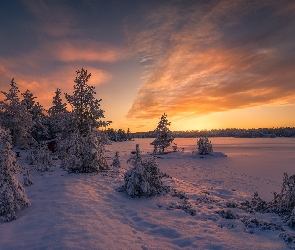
(206, 64)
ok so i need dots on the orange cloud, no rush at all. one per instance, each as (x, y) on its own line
(71, 51)
(44, 87)
(203, 63)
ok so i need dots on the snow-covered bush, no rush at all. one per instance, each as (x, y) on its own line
(12, 193)
(40, 158)
(291, 221)
(116, 162)
(227, 214)
(83, 153)
(26, 178)
(164, 135)
(144, 179)
(284, 202)
(204, 146)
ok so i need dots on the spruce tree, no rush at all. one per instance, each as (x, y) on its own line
(144, 179)
(82, 144)
(28, 99)
(16, 117)
(128, 134)
(40, 129)
(164, 135)
(204, 146)
(12, 193)
(59, 119)
(116, 162)
(85, 107)
(85, 153)
(40, 158)
(58, 107)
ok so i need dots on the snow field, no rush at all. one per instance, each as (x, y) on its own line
(84, 211)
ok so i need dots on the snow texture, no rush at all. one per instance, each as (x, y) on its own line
(85, 211)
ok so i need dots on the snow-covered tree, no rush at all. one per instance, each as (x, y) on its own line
(39, 130)
(59, 119)
(135, 158)
(144, 179)
(16, 117)
(128, 134)
(26, 178)
(164, 135)
(85, 153)
(284, 202)
(28, 99)
(40, 158)
(58, 107)
(116, 161)
(204, 146)
(12, 193)
(85, 107)
(81, 144)
(121, 135)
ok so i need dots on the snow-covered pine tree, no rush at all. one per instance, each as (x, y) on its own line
(12, 193)
(116, 161)
(112, 134)
(82, 144)
(164, 135)
(28, 99)
(85, 107)
(128, 134)
(135, 158)
(58, 107)
(40, 158)
(284, 202)
(85, 153)
(144, 178)
(122, 135)
(59, 119)
(204, 146)
(40, 129)
(15, 117)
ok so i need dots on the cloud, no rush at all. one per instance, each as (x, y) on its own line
(211, 57)
(44, 86)
(52, 18)
(89, 51)
(53, 65)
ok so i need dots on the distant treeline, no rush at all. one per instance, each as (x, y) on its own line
(228, 132)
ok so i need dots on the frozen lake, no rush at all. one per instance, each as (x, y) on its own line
(260, 161)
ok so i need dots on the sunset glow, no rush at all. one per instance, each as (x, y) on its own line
(206, 64)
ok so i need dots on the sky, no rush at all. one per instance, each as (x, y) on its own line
(206, 64)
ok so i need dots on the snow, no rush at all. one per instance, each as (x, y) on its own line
(84, 211)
